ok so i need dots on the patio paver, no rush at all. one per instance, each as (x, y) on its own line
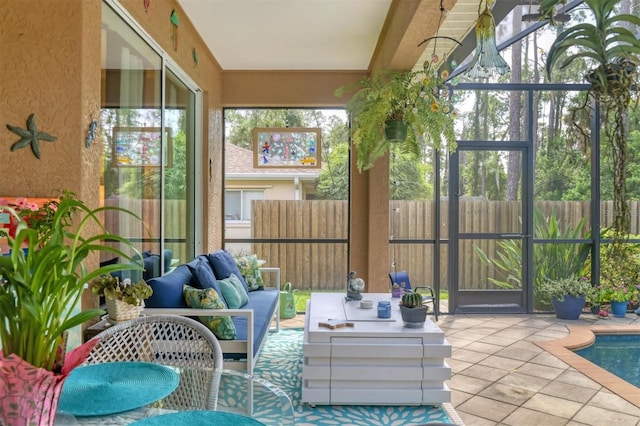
(521, 383)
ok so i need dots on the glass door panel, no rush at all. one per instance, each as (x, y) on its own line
(179, 177)
(132, 140)
(487, 240)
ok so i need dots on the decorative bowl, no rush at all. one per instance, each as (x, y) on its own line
(366, 304)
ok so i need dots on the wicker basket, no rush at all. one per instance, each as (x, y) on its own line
(122, 311)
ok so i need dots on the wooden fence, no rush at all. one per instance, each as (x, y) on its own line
(309, 262)
(316, 265)
(323, 265)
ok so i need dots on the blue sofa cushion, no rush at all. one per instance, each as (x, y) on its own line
(151, 267)
(167, 290)
(263, 304)
(223, 266)
(168, 258)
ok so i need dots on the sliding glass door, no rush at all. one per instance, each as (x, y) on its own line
(148, 128)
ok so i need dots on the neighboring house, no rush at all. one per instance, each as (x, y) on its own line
(244, 183)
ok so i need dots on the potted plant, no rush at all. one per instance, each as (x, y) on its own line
(567, 295)
(610, 47)
(124, 300)
(619, 274)
(402, 107)
(414, 312)
(619, 295)
(40, 289)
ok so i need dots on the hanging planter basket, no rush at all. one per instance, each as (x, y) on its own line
(395, 130)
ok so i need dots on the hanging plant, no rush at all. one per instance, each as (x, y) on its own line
(608, 44)
(420, 100)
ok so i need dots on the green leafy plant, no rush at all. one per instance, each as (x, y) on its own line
(576, 286)
(611, 49)
(622, 292)
(38, 218)
(619, 271)
(553, 261)
(112, 288)
(418, 99)
(44, 276)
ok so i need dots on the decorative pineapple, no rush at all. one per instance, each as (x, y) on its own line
(411, 300)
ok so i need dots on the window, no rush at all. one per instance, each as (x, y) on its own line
(237, 203)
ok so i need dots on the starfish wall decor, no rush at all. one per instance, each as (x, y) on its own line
(30, 136)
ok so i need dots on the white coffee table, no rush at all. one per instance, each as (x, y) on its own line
(375, 362)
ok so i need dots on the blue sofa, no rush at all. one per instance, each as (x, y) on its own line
(252, 321)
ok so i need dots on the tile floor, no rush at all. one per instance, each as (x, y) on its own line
(502, 376)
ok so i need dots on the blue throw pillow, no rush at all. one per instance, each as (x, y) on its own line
(223, 266)
(167, 290)
(168, 258)
(151, 267)
(203, 276)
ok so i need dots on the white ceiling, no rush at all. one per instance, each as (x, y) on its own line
(325, 34)
(289, 34)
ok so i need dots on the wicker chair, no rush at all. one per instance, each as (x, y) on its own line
(170, 340)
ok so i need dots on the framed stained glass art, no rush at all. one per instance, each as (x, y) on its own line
(287, 147)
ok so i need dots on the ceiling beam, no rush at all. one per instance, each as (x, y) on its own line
(408, 23)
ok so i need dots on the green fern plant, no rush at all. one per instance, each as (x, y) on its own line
(415, 98)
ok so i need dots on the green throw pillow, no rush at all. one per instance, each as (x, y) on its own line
(222, 326)
(249, 266)
(233, 292)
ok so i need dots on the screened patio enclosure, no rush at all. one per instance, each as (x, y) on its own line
(517, 203)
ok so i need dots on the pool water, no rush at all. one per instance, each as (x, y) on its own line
(618, 354)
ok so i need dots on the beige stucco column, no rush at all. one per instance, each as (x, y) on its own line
(369, 212)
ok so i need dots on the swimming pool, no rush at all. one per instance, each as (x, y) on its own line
(616, 353)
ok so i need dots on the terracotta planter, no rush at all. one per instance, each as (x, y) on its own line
(29, 395)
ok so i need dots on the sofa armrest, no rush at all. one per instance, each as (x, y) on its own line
(277, 272)
(190, 312)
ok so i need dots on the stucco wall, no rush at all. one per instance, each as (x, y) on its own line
(50, 66)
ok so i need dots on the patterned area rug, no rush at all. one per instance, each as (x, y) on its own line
(281, 363)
